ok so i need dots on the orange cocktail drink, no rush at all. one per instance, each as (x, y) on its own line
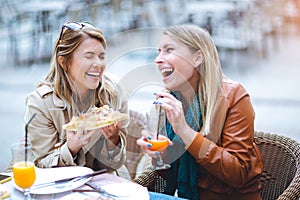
(24, 174)
(159, 144)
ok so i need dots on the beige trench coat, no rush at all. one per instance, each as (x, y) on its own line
(49, 139)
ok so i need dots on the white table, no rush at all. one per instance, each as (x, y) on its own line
(110, 182)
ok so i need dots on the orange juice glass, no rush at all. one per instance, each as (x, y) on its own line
(158, 145)
(24, 174)
(23, 167)
(156, 126)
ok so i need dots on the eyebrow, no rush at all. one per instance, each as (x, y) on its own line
(165, 46)
(91, 52)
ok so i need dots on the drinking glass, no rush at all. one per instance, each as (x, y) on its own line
(156, 128)
(23, 167)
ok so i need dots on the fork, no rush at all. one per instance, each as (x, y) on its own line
(100, 190)
(57, 185)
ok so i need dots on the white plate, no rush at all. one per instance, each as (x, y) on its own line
(45, 175)
(127, 191)
(77, 196)
(124, 191)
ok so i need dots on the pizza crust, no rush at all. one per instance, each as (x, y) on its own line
(95, 118)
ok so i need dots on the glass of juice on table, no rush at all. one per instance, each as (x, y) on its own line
(156, 128)
(23, 167)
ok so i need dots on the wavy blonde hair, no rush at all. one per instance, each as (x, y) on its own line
(108, 91)
(210, 71)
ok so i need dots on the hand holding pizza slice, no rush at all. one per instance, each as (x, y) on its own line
(95, 118)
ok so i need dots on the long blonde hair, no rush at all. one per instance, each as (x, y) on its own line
(210, 71)
(108, 92)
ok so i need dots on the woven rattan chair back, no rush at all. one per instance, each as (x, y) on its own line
(281, 174)
(133, 151)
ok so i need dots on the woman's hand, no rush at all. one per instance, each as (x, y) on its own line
(174, 111)
(175, 114)
(112, 133)
(145, 145)
(77, 139)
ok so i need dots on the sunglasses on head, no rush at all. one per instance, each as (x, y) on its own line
(74, 26)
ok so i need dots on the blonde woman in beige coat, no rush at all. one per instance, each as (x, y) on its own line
(76, 83)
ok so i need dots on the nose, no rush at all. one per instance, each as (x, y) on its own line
(98, 62)
(159, 58)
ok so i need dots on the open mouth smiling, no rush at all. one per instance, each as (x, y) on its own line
(167, 72)
(94, 74)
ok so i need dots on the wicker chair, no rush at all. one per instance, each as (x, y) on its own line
(281, 174)
(281, 159)
(133, 151)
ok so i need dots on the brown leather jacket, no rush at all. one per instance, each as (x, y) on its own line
(231, 160)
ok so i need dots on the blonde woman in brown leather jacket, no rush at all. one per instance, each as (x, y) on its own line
(210, 121)
(76, 82)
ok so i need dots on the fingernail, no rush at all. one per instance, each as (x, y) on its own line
(157, 153)
(158, 103)
(154, 93)
(149, 137)
(149, 145)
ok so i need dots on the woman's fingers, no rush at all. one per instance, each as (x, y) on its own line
(86, 136)
(112, 133)
(79, 137)
(146, 145)
(111, 130)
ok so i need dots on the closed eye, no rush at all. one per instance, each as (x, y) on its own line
(89, 55)
(102, 56)
(169, 49)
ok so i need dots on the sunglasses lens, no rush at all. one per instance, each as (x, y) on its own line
(86, 24)
(73, 26)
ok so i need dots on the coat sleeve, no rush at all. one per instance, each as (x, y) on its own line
(114, 160)
(234, 160)
(43, 134)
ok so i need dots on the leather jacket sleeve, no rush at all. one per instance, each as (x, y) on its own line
(233, 162)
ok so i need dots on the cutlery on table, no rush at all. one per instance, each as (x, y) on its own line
(69, 180)
(97, 188)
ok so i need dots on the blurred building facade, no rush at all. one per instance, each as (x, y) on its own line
(32, 26)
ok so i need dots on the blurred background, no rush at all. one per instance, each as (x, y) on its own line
(258, 43)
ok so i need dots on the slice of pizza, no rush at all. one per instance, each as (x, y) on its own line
(97, 117)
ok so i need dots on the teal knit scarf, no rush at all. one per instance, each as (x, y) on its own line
(184, 169)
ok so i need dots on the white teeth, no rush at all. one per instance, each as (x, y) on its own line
(93, 74)
(166, 70)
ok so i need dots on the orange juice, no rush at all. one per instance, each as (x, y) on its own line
(24, 174)
(160, 144)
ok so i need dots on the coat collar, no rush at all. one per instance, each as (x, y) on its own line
(45, 89)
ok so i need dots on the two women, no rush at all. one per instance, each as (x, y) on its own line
(210, 119)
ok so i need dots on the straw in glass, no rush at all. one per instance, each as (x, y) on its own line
(158, 123)
(26, 136)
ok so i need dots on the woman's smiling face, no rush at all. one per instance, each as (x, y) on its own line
(175, 61)
(87, 65)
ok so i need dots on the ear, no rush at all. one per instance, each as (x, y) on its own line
(198, 58)
(62, 62)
